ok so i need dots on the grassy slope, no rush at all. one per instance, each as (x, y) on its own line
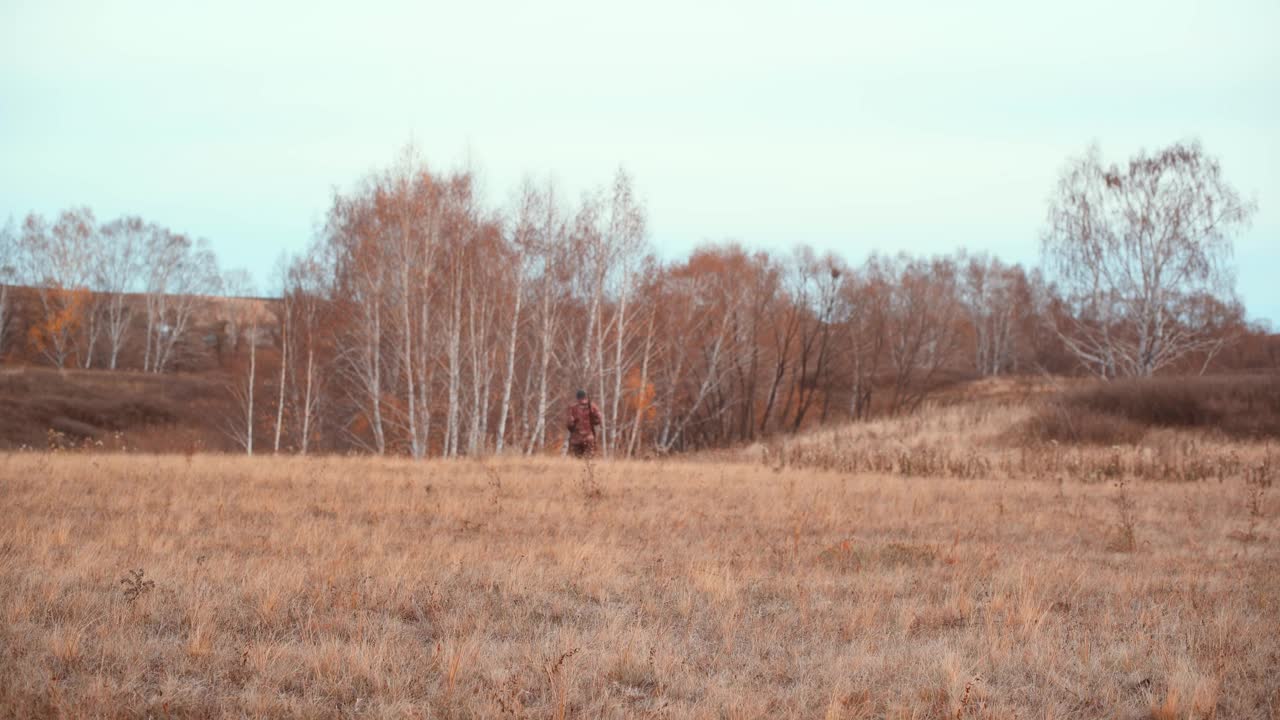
(168, 412)
(996, 429)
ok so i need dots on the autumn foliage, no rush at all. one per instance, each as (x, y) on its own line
(421, 321)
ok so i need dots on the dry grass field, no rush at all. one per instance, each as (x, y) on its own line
(170, 586)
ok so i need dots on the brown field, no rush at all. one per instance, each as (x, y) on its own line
(735, 588)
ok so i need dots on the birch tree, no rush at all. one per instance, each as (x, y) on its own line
(242, 318)
(486, 259)
(626, 234)
(241, 427)
(307, 290)
(524, 242)
(285, 323)
(8, 278)
(1140, 253)
(410, 211)
(461, 229)
(181, 275)
(360, 293)
(550, 245)
(56, 259)
(118, 269)
(996, 299)
(696, 341)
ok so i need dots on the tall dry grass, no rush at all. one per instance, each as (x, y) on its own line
(144, 586)
(1006, 441)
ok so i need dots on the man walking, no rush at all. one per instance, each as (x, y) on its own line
(584, 418)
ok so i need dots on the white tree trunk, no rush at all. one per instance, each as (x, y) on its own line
(618, 369)
(537, 439)
(416, 448)
(308, 406)
(504, 409)
(284, 365)
(453, 354)
(253, 373)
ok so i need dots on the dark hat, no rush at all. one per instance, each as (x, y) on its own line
(582, 394)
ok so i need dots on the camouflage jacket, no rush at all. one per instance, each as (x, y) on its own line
(582, 422)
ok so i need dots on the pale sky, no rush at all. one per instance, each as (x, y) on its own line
(847, 125)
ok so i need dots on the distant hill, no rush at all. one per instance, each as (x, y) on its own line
(177, 412)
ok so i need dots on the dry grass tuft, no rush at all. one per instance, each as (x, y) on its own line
(135, 584)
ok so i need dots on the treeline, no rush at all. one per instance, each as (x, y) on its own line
(422, 322)
(104, 294)
(445, 328)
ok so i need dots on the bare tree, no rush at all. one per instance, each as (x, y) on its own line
(462, 229)
(815, 288)
(285, 323)
(864, 298)
(306, 290)
(1139, 253)
(697, 339)
(406, 266)
(56, 259)
(608, 241)
(117, 269)
(241, 426)
(181, 274)
(550, 247)
(594, 256)
(626, 233)
(411, 210)
(786, 318)
(360, 291)
(8, 278)
(997, 299)
(488, 255)
(524, 245)
(921, 310)
(242, 322)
